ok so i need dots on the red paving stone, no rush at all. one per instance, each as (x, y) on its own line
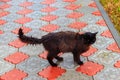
(2, 22)
(90, 68)
(26, 4)
(23, 20)
(25, 30)
(69, 0)
(49, 17)
(52, 73)
(14, 74)
(48, 2)
(97, 13)
(72, 7)
(114, 47)
(48, 9)
(101, 23)
(4, 6)
(93, 5)
(5, 0)
(16, 58)
(117, 64)
(78, 25)
(17, 43)
(75, 15)
(4, 13)
(24, 11)
(49, 28)
(1, 32)
(107, 33)
(90, 52)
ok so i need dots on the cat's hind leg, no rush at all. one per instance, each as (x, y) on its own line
(59, 58)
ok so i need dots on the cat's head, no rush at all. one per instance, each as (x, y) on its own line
(89, 37)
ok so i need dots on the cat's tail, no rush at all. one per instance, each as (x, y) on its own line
(27, 39)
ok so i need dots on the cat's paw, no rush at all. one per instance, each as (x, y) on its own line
(80, 63)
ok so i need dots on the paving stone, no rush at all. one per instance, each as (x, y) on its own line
(9, 26)
(73, 75)
(36, 24)
(4, 39)
(36, 14)
(105, 57)
(32, 65)
(5, 66)
(109, 73)
(59, 4)
(61, 12)
(62, 21)
(14, 9)
(83, 3)
(36, 1)
(34, 77)
(36, 7)
(102, 42)
(14, 2)
(6, 50)
(33, 49)
(11, 17)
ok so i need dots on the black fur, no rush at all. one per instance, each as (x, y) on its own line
(58, 42)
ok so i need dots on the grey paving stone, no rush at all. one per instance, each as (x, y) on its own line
(35, 1)
(34, 77)
(36, 24)
(94, 28)
(16, 2)
(63, 21)
(6, 50)
(109, 73)
(11, 17)
(73, 75)
(5, 66)
(14, 9)
(89, 18)
(61, 12)
(32, 65)
(83, 2)
(37, 7)
(4, 39)
(86, 10)
(105, 57)
(36, 14)
(9, 26)
(32, 49)
(102, 42)
(66, 29)
(59, 4)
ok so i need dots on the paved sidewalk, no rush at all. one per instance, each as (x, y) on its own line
(19, 61)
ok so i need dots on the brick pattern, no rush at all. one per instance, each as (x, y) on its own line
(38, 17)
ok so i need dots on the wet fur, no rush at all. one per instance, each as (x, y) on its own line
(58, 42)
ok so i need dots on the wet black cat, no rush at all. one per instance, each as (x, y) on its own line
(58, 42)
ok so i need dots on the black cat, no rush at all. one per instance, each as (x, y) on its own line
(58, 42)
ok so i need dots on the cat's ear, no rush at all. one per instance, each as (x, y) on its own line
(95, 33)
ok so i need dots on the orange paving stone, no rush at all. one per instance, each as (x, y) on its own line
(93, 5)
(49, 17)
(48, 9)
(17, 43)
(117, 64)
(69, 0)
(48, 2)
(2, 22)
(14, 74)
(114, 47)
(78, 25)
(72, 7)
(51, 73)
(97, 13)
(101, 23)
(4, 13)
(89, 52)
(26, 4)
(25, 30)
(49, 28)
(4, 6)
(107, 33)
(75, 15)
(90, 68)
(23, 20)
(16, 58)
(24, 11)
